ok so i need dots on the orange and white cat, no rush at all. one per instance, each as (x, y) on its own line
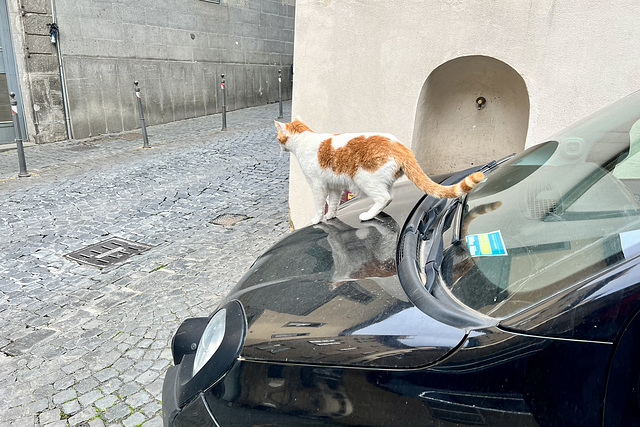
(366, 163)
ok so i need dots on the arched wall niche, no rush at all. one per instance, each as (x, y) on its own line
(451, 133)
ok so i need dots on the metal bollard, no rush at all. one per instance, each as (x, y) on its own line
(16, 126)
(145, 138)
(281, 114)
(224, 104)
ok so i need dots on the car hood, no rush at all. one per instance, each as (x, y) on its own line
(330, 294)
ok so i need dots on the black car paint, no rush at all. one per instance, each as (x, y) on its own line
(533, 370)
(622, 403)
(327, 316)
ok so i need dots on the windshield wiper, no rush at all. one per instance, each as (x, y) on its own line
(433, 247)
(495, 163)
(457, 220)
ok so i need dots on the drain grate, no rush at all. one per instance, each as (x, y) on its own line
(107, 253)
(229, 219)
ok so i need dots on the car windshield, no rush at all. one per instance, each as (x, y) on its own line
(558, 213)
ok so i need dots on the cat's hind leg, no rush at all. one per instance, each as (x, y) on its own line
(334, 201)
(381, 196)
(378, 189)
(380, 203)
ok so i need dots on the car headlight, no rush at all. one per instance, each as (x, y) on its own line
(205, 349)
(210, 340)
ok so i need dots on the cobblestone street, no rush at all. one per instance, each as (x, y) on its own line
(81, 346)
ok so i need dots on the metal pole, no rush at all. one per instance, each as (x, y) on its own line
(145, 138)
(281, 115)
(224, 104)
(16, 126)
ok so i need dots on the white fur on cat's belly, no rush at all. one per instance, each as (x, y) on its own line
(334, 181)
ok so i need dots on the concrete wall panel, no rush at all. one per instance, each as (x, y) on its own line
(76, 90)
(110, 91)
(176, 49)
(127, 102)
(37, 6)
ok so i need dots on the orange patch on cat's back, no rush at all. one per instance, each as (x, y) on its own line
(368, 153)
(340, 161)
(346, 160)
(377, 150)
(325, 154)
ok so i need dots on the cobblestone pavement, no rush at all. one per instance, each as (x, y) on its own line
(86, 347)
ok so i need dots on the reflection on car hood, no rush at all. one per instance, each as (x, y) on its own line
(329, 294)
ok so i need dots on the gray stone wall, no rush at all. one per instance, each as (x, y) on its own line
(44, 109)
(177, 50)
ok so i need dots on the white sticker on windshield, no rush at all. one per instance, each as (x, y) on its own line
(487, 244)
(630, 242)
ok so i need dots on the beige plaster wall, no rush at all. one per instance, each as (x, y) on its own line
(360, 65)
(452, 133)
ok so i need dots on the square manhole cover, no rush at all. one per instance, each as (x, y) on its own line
(107, 253)
(229, 219)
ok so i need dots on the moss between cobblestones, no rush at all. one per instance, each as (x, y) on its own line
(158, 268)
(107, 408)
(98, 416)
(64, 416)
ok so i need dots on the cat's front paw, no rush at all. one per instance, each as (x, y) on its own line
(365, 216)
(316, 219)
(330, 215)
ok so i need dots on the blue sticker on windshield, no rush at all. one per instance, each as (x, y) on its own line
(487, 244)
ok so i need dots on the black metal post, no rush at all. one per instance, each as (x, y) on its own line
(224, 104)
(16, 126)
(145, 138)
(281, 115)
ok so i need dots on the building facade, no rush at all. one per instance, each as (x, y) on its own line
(73, 63)
(418, 68)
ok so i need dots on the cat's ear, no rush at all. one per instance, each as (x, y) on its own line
(282, 127)
(298, 118)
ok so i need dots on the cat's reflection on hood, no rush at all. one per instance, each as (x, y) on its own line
(367, 251)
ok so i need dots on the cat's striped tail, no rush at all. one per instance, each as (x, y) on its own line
(410, 167)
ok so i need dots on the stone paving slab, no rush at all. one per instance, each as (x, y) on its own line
(81, 346)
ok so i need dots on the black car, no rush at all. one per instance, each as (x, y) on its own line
(516, 305)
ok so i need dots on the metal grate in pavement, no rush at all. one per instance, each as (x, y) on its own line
(108, 252)
(228, 219)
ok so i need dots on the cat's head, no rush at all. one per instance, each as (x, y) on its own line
(287, 130)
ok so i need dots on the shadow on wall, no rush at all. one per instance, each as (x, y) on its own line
(471, 110)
